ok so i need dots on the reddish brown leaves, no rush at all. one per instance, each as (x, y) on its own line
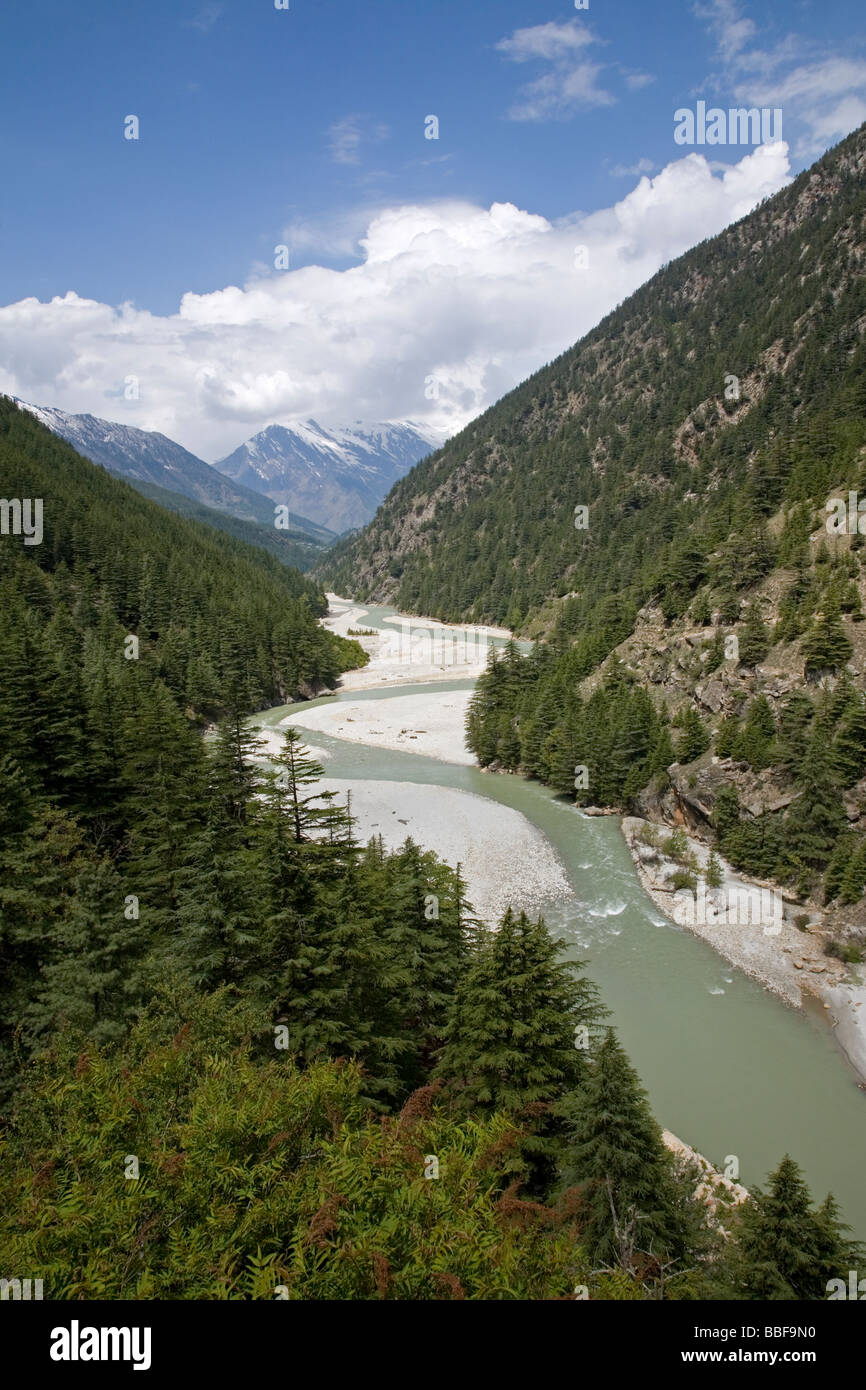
(451, 1283)
(324, 1221)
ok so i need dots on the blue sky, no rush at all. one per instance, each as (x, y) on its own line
(261, 127)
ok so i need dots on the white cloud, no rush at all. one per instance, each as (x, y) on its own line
(643, 166)
(821, 93)
(732, 29)
(346, 138)
(636, 80)
(551, 41)
(570, 84)
(473, 298)
(205, 18)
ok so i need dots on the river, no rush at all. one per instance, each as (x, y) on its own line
(729, 1067)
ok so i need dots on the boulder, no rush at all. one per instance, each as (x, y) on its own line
(712, 696)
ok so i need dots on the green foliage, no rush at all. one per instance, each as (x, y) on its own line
(615, 1157)
(683, 878)
(826, 647)
(755, 638)
(676, 845)
(255, 1175)
(693, 739)
(512, 1038)
(521, 716)
(200, 967)
(684, 495)
(787, 1250)
(714, 876)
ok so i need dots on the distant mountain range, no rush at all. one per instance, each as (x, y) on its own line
(150, 457)
(331, 478)
(164, 471)
(337, 474)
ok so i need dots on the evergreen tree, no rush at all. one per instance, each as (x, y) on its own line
(694, 739)
(518, 1030)
(616, 1158)
(297, 771)
(826, 646)
(850, 744)
(755, 638)
(714, 876)
(816, 817)
(756, 741)
(785, 1249)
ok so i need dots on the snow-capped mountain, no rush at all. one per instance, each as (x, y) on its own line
(337, 475)
(149, 457)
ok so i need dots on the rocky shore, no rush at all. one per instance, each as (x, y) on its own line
(753, 925)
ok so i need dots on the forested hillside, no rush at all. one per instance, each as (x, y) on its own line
(634, 424)
(123, 630)
(297, 547)
(218, 622)
(244, 1055)
(712, 428)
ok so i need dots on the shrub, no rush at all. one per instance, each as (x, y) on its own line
(843, 950)
(676, 844)
(683, 878)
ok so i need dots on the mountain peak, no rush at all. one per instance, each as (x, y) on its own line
(336, 473)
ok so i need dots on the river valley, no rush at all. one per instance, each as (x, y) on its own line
(729, 1067)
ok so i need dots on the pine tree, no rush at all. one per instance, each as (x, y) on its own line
(836, 1252)
(714, 875)
(755, 638)
(218, 913)
(785, 1250)
(794, 730)
(92, 977)
(817, 817)
(854, 876)
(297, 771)
(756, 741)
(826, 646)
(694, 739)
(616, 1158)
(423, 932)
(850, 744)
(518, 1031)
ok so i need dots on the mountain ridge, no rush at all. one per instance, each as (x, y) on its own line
(600, 404)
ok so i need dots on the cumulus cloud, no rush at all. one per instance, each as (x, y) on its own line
(570, 83)
(448, 307)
